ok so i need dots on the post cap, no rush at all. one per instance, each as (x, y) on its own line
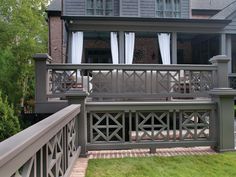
(223, 92)
(219, 59)
(42, 56)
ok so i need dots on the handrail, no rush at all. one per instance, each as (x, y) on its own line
(133, 67)
(18, 149)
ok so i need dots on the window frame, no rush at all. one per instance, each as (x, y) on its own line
(175, 12)
(104, 9)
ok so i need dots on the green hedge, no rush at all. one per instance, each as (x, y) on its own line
(9, 123)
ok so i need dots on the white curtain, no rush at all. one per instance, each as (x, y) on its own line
(164, 44)
(114, 48)
(77, 47)
(129, 47)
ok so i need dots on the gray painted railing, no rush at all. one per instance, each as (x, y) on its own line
(232, 80)
(128, 106)
(48, 148)
(107, 81)
(122, 125)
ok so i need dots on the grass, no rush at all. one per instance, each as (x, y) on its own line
(219, 165)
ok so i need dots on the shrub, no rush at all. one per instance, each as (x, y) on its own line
(9, 123)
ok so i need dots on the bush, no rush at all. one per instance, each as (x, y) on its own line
(9, 123)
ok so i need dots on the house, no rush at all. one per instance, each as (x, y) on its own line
(193, 28)
(128, 74)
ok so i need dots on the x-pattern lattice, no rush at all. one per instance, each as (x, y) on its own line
(107, 127)
(134, 81)
(55, 153)
(152, 126)
(200, 81)
(168, 81)
(232, 81)
(194, 124)
(63, 80)
(101, 81)
(28, 169)
(71, 139)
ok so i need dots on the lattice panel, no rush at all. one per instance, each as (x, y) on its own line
(199, 81)
(28, 169)
(152, 126)
(107, 127)
(101, 82)
(54, 154)
(134, 81)
(71, 133)
(64, 80)
(194, 125)
(168, 81)
(232, 82)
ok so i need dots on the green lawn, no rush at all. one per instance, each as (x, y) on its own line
(220, 165)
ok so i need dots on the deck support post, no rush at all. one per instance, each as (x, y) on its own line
(80, 98)
(41, 77)
(224, 98)
(221, 61)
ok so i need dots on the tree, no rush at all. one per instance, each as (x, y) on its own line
(23, 32)
(9, 123)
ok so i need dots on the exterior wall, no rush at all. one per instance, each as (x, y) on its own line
(74, 7)
(56, 47)
(129, 8)
(185, 8)
(147, 8)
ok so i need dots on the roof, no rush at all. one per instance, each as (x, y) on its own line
(210, 4)
(226, 12)
(54, 6)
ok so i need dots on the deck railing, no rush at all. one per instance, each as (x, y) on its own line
(48, 148)
(127, 125)
(108, 81)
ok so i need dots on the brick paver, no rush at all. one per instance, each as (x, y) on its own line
(80, 167)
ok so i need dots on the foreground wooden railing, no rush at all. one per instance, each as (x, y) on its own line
(48, 148)
(125, 125)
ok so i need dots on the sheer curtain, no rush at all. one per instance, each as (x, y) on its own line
(164, 45)
(77, 47)
(129, 47)
(114, 48)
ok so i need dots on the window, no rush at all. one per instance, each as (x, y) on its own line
(168, 8)
(100, 7)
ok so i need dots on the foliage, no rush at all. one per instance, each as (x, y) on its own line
(219, 165)
(9, 123)
(23, 32)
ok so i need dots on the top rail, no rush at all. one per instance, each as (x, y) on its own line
(18, 149)
(132, 67)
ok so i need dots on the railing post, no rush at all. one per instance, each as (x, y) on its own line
(224, 97)
(41, 77)
(80, 98)
(221, 61)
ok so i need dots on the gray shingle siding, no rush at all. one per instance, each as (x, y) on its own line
(130, 8)
(185, 8)
(74, 7)
(147, 8)
(116, 7)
